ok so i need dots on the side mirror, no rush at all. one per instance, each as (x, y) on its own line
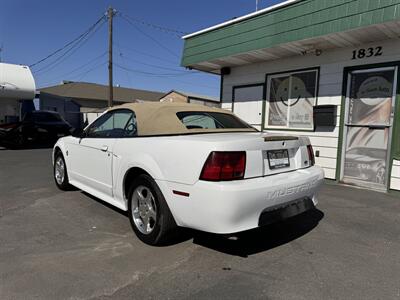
(78, 133)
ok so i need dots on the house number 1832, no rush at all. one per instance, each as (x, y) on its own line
(367, 52)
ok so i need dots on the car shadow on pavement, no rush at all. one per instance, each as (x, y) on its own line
(261, 239)
(244, 243)
(182, 234)
(106, 204)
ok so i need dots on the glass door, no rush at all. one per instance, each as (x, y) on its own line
(369, 110)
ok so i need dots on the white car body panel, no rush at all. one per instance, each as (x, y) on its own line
(228, 207)
(175, 163)
(91, 164)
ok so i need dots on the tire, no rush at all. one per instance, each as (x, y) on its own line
(149, 213)
(60, 173)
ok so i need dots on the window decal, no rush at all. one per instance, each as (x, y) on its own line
(290, 100)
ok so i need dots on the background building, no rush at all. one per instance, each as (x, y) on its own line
(178, 96)
(323, 69)
(80, 102)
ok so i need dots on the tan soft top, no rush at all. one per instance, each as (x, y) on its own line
(158, 118)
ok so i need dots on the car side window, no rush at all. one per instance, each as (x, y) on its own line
(114, 124)
(124, 124)
(102, 127)
(131, 127)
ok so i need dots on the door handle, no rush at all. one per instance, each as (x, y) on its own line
(104, 148)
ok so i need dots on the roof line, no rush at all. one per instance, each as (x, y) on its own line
(173, 91)
(192, 96)
(262, 11)
(100, 85)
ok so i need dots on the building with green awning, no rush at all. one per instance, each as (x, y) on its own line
(324, 69)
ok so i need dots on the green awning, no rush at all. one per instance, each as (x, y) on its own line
(300, 21)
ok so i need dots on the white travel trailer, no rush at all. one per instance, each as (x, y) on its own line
(16, 86)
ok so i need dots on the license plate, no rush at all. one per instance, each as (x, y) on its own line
(278, 159)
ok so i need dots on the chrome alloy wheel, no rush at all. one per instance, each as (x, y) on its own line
(59, 171)
(144, 210)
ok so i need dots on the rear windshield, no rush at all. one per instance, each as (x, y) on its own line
(210, 120)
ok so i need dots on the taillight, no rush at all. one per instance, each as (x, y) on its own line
(222, 166)
(311, 157)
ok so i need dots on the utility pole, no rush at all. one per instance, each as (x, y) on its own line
(110, 14)
(256, 5)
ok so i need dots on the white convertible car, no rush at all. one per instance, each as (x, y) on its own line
(187, 165)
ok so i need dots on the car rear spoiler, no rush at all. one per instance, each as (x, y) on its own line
(274, 138)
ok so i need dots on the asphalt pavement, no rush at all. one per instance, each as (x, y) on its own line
(69, 245)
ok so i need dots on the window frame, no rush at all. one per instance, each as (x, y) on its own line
(112, 112)
(198, 114)
(250, 85)
(268, 77)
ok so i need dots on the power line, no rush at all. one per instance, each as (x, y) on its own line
(70, 51)
(165, 75)
(128, 75)
(92, 69)
(147, 54)
(82, 75)
(195, 84)
(68, 44)
(80, 67)
(149, 36)
(174, 32)
(149, 73)
(181, 71)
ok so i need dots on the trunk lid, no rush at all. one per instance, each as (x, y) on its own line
(266, 154)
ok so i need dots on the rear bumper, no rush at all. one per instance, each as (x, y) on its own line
(286, 210)
(229, 207)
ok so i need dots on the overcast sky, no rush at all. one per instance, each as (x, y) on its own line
(146, 56)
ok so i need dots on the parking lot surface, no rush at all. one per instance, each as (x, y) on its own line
(69, 245)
